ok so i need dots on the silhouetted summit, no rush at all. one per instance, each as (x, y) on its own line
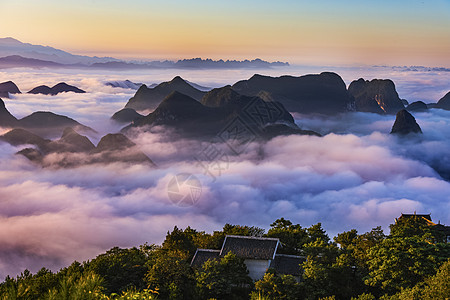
(112, 142)
(19, 136)
(126, 115)
(59, 88)
(7, 88)
(17, 61)
(405, 123)
(324, 93)
(376, 96)
(47, 123)
(191, 118)
(221, 97)
(118, 148)
(6, 118)
(444, 102)
(74, 149)
(149, 98)
(75, 141)
(417, 106)
(125, 84)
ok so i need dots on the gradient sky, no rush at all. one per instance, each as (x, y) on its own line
(400, 32)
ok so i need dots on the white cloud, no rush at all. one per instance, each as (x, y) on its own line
(356, 176)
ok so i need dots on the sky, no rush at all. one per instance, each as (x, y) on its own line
(402, 32)
(356, 176)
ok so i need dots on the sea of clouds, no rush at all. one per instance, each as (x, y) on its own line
(356, 176)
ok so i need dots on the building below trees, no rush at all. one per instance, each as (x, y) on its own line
(259, 254)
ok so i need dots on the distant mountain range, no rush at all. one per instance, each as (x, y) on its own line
(61, 87)
(324, 93)
(9, 87)
(72, 149)
(10, 46)
(14, 53)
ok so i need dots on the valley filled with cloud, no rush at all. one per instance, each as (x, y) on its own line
(356, 175)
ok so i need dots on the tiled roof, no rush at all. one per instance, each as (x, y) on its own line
(443, 228)
(425, 216)
(203, 255)
(250, 247)
(287, 264)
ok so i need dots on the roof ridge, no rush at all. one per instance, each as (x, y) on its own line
(252, 237)
(289, 255)
(208, 250)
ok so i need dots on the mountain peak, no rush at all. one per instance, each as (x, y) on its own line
(7, 88)
(405, 123)
(176, 97)
(114, 141)
(220, 96)
(444, 102)
(10, 40)
(6, 118)
(56, 89)
(68, 131)
(149, 98)
(178, 79)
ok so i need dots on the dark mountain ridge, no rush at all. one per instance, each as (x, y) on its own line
(444, 102)
(149, 98)
(126, 115)
(74, 149)
(61, 87)
(42, 123)
(405, 123)
(323, 93)
(6, 118)
(376, 96)
(7, 88)
(226, 112)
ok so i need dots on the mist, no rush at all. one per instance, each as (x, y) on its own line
(356, 176)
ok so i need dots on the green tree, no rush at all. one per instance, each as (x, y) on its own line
(321, 276)
(292, 237)
(229, 229)
(29, 286)
(87, 287)
(121, 269)
(352, 260)
(438, 286)
(364, 296)
(226, 278)
(347, 239)
(275, 287)
(434, 287)
(181, 240)
(402, 262)
(317, 232)
(416, 226)
(170, 275)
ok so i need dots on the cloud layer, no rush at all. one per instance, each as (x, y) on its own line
(356, 176)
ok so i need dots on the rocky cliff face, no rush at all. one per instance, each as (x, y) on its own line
(444, 102)
(126, 115)
(73, 149)
(376, 96)
(61, 87)
(190, 118)
(323, 93)
(6, 118)
(149, 98)
(7, 88)
(405, 123)
(417, 106)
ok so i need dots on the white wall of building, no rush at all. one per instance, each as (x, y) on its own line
(257, 268)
